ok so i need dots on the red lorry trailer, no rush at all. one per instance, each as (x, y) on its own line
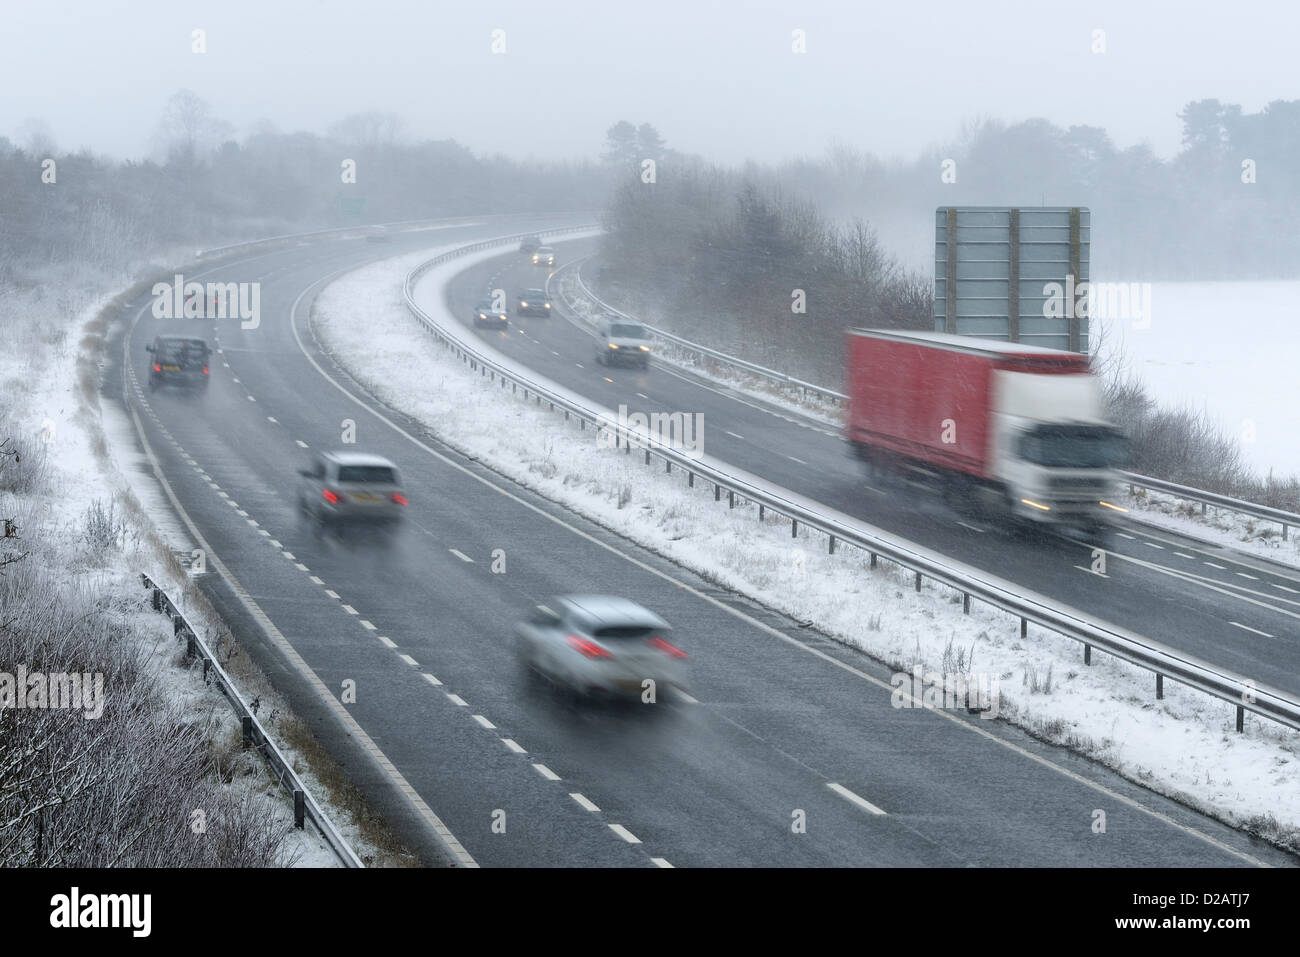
(1021, 424)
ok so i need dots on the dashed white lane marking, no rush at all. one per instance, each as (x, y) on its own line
(457, 700)
(1284, 588)
(301, 443)
(1251, 577)
(554, 353)
(584, 803)
(432, 680)
(252, 522)
(1185, 555)
(848, 795)
(484, 721)
(793, 459)
(223, 494)
(545, 772)
(872, 488)
(331, 592)
(251, 399)
(461, 555)
(1255, 630)
(271, 418)
(513, 745)
(368, 626)
(625, 834)
(971, 527)
(350, 610)
(1153, 545)
(685, 697)
(661, 862)
(1219, 567)
(642, 395)
(579, 365)
(240, 512)
(1091, 572)
(410, 661)
(387, 641)
(276, 543)
(315, 581)
(232, 377)
(301, 567)
(734, 435)
(262, 531)
(1126, 535)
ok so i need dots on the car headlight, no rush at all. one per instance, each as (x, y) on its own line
(613, 346)
(522, 304)
(548, 305)
(644, 348)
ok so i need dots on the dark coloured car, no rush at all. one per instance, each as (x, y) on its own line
(179, 361)
(533, 302)
(487, 314)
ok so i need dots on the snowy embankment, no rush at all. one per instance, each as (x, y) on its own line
(1184, 746)
(89, 517)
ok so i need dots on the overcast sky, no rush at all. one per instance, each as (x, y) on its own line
(717, 78)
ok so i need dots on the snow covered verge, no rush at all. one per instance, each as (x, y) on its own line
(1220, 526)
(158, 777)
(1184, 746)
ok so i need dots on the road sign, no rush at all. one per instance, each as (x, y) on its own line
(1011, 273)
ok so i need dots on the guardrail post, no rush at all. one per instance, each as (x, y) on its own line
(717, 492)
(1087, 654)
(794, 528)
(1160, 686)
(1241, 718)
(189, 644)
(1202, 508)
(1024, 627)
(731, 499)
(246, 724)
(156, 601)
(647, 455)
(1284, 531)
(918, 581)
(831, 546)
(178, 623)
(668, 465)
(874, 559)
(690, 480)
(762, 510)
(965, 603)
(206, 662)
(299, 808)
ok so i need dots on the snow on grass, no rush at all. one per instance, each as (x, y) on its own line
(1184, 746)
(1220, 526)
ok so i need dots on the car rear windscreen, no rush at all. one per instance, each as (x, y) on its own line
(626, 631)
(184, 351)
(367, 474)
(627, 331)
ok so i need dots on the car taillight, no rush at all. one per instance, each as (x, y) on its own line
(157, 367)
(588, 648)
(667, 648)
(330, 496)
(205, 370)
(400, 499)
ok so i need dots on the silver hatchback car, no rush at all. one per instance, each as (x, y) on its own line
(602, 644)
(343, 486)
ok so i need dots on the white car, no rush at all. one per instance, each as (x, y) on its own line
(603, 645)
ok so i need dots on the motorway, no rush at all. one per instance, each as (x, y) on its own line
(1233, 611)
(789, 752)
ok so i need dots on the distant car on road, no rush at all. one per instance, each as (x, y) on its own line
(544, 256)
(351, 486)
(530, 244)
(486, 314)
(602, 645)
(533, 302)
(378, 234)
(622, 342)
(180, 361)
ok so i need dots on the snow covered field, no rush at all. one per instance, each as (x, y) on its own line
(1232, 348)
(1184, 746)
